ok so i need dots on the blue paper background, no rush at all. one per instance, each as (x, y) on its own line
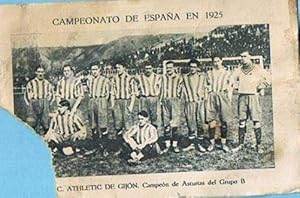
(25, 162)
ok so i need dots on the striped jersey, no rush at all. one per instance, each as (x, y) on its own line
(38, 89)
(194, 86)
(150, 85)
(69, 88)
(98, 87)
(218, 80)
(66, 124)
(146, 134)
(124, 86)
(172, 86)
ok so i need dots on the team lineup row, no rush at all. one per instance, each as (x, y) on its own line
(207, 99)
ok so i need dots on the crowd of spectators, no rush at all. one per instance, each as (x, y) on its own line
(227, 40)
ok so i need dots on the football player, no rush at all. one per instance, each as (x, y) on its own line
(38, 96)
(99, 93)
(142, 139)
(219, 109)
(149, 86)
(251, 81)
(194, 88)
(171, 93)
(67, 132)
(124, 94)
(69, 88)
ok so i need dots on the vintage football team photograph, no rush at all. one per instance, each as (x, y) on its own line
(152, 103)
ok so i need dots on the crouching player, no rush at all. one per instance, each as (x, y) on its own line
(67, 133)
(141, 140)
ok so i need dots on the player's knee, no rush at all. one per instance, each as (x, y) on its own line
(213, 124)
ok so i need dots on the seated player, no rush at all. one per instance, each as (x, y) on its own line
(67, 132)
(141, 139)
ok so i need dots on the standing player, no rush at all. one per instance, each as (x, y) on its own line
(141, 139)
(109, 74)
(38, 96)
(171, 93)
(150, 86)
(194, 87)
(219, 108)
(99, 92)
(124, 94)
(251, 79)
(69, 88)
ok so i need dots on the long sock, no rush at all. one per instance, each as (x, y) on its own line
(258, 135)
(119, 140)
(192, 137)
(212, 132)
(242, 131)
(200, 133)
(174, 134)
(104, 137)
(224, 130)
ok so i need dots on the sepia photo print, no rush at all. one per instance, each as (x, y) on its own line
(152, 103)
